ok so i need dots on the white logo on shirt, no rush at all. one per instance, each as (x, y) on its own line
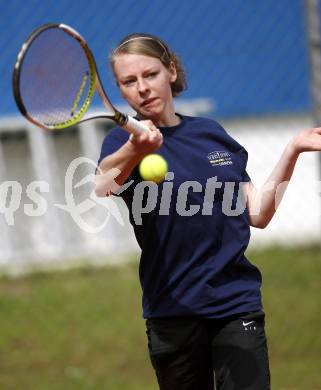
(220, 158)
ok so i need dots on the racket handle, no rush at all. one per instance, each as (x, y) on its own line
(135, 127)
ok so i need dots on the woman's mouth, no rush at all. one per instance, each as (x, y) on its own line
(147, 102)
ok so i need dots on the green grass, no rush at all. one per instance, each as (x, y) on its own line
(292, 300)
(82, 329)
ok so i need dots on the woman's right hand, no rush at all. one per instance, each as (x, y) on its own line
(147, 142)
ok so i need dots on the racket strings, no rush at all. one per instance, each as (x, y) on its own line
(56, 81)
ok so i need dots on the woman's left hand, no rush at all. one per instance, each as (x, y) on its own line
(307, 141)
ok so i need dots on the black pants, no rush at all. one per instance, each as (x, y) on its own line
(193, 353)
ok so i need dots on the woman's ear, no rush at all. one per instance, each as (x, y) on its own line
(173, 72)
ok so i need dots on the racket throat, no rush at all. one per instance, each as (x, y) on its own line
(120, 118)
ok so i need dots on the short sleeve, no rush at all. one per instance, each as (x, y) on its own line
(246, 177)
(113, 141)
(243, 156)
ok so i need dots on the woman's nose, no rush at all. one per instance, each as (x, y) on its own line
(142, 86)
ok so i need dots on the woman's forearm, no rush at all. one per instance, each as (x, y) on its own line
(263, 202)
(114, 169)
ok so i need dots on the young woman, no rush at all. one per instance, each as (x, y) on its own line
(201, 296)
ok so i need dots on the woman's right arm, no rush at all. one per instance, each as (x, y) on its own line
(114, 169)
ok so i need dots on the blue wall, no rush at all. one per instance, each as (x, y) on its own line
(248, 56)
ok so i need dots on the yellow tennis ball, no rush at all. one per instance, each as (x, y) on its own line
(153, 168)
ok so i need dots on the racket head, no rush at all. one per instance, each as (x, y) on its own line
(55, 77)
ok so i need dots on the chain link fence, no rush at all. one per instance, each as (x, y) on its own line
(248, 58)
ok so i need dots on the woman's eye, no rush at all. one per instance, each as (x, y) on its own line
(127, 83)
(151, 75)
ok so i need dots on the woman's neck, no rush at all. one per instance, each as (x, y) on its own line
(169, 120)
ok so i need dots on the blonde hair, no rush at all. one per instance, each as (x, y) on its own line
(152, 46)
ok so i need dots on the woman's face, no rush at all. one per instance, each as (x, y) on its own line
(146, 84)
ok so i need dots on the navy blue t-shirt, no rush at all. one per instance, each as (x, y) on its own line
(194, 237)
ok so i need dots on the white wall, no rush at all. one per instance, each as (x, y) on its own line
(298, 218)
(48, 239)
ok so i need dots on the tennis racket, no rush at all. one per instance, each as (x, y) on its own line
(55, 78)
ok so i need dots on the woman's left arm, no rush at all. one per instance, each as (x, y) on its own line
(262, 203)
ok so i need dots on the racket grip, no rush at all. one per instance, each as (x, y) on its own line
(135, 127)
